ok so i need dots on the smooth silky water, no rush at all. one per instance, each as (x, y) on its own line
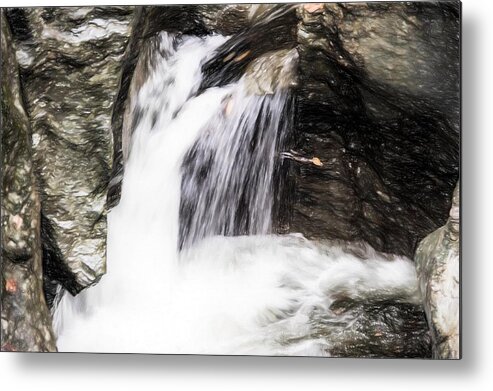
(253, 293)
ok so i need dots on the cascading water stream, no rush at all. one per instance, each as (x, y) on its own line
(227, 188)
(213, 155)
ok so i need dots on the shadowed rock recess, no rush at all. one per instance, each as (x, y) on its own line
(372, 154)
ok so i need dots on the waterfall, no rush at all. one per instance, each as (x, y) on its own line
(200, 177)
(227, 187)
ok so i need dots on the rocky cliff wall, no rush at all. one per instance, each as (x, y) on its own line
(25, 319)
(70, 62)
(378, 105)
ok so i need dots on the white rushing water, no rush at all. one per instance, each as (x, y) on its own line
(254, 294)
(237, 150)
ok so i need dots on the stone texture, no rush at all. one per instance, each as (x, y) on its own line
(379, 329)
(25, 319)
(275, 30)
(387, 138)
(70, 71)
(272, 71)
(228, 19)
(438, 265)
(403, 45)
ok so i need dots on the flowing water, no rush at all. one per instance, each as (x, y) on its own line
(227, 187)
(193, 266)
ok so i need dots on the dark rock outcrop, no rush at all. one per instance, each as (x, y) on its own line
(378, 106)
(235, 55)
(386, 329)
(25, 319)
(70, 62)
(438, 265)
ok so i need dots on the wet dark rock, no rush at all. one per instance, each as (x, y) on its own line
(121, 103)
(25, 318)
(411, 48)
(70, 62)
(178, 19)
(230, 19)
(384, 329)
(438, 265)
(387, 137)
(236, 54)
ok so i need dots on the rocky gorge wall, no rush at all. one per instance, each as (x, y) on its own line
(25, 318)
(373, 107)
(70, 67)
(373, 155)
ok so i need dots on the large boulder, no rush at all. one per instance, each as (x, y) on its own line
(377, 108)
(438, 265)
(25, 318)
(70, 70)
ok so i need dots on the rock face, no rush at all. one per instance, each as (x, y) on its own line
(377, 106)
(387, 329)
(25, 319)
(70, 62)
(438, 265)
(409, 47)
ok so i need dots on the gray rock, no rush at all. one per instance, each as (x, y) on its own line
(25, 319)
(438, 266)
(402, 45)
(271, 71)
(228, 19)
(70, 60)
